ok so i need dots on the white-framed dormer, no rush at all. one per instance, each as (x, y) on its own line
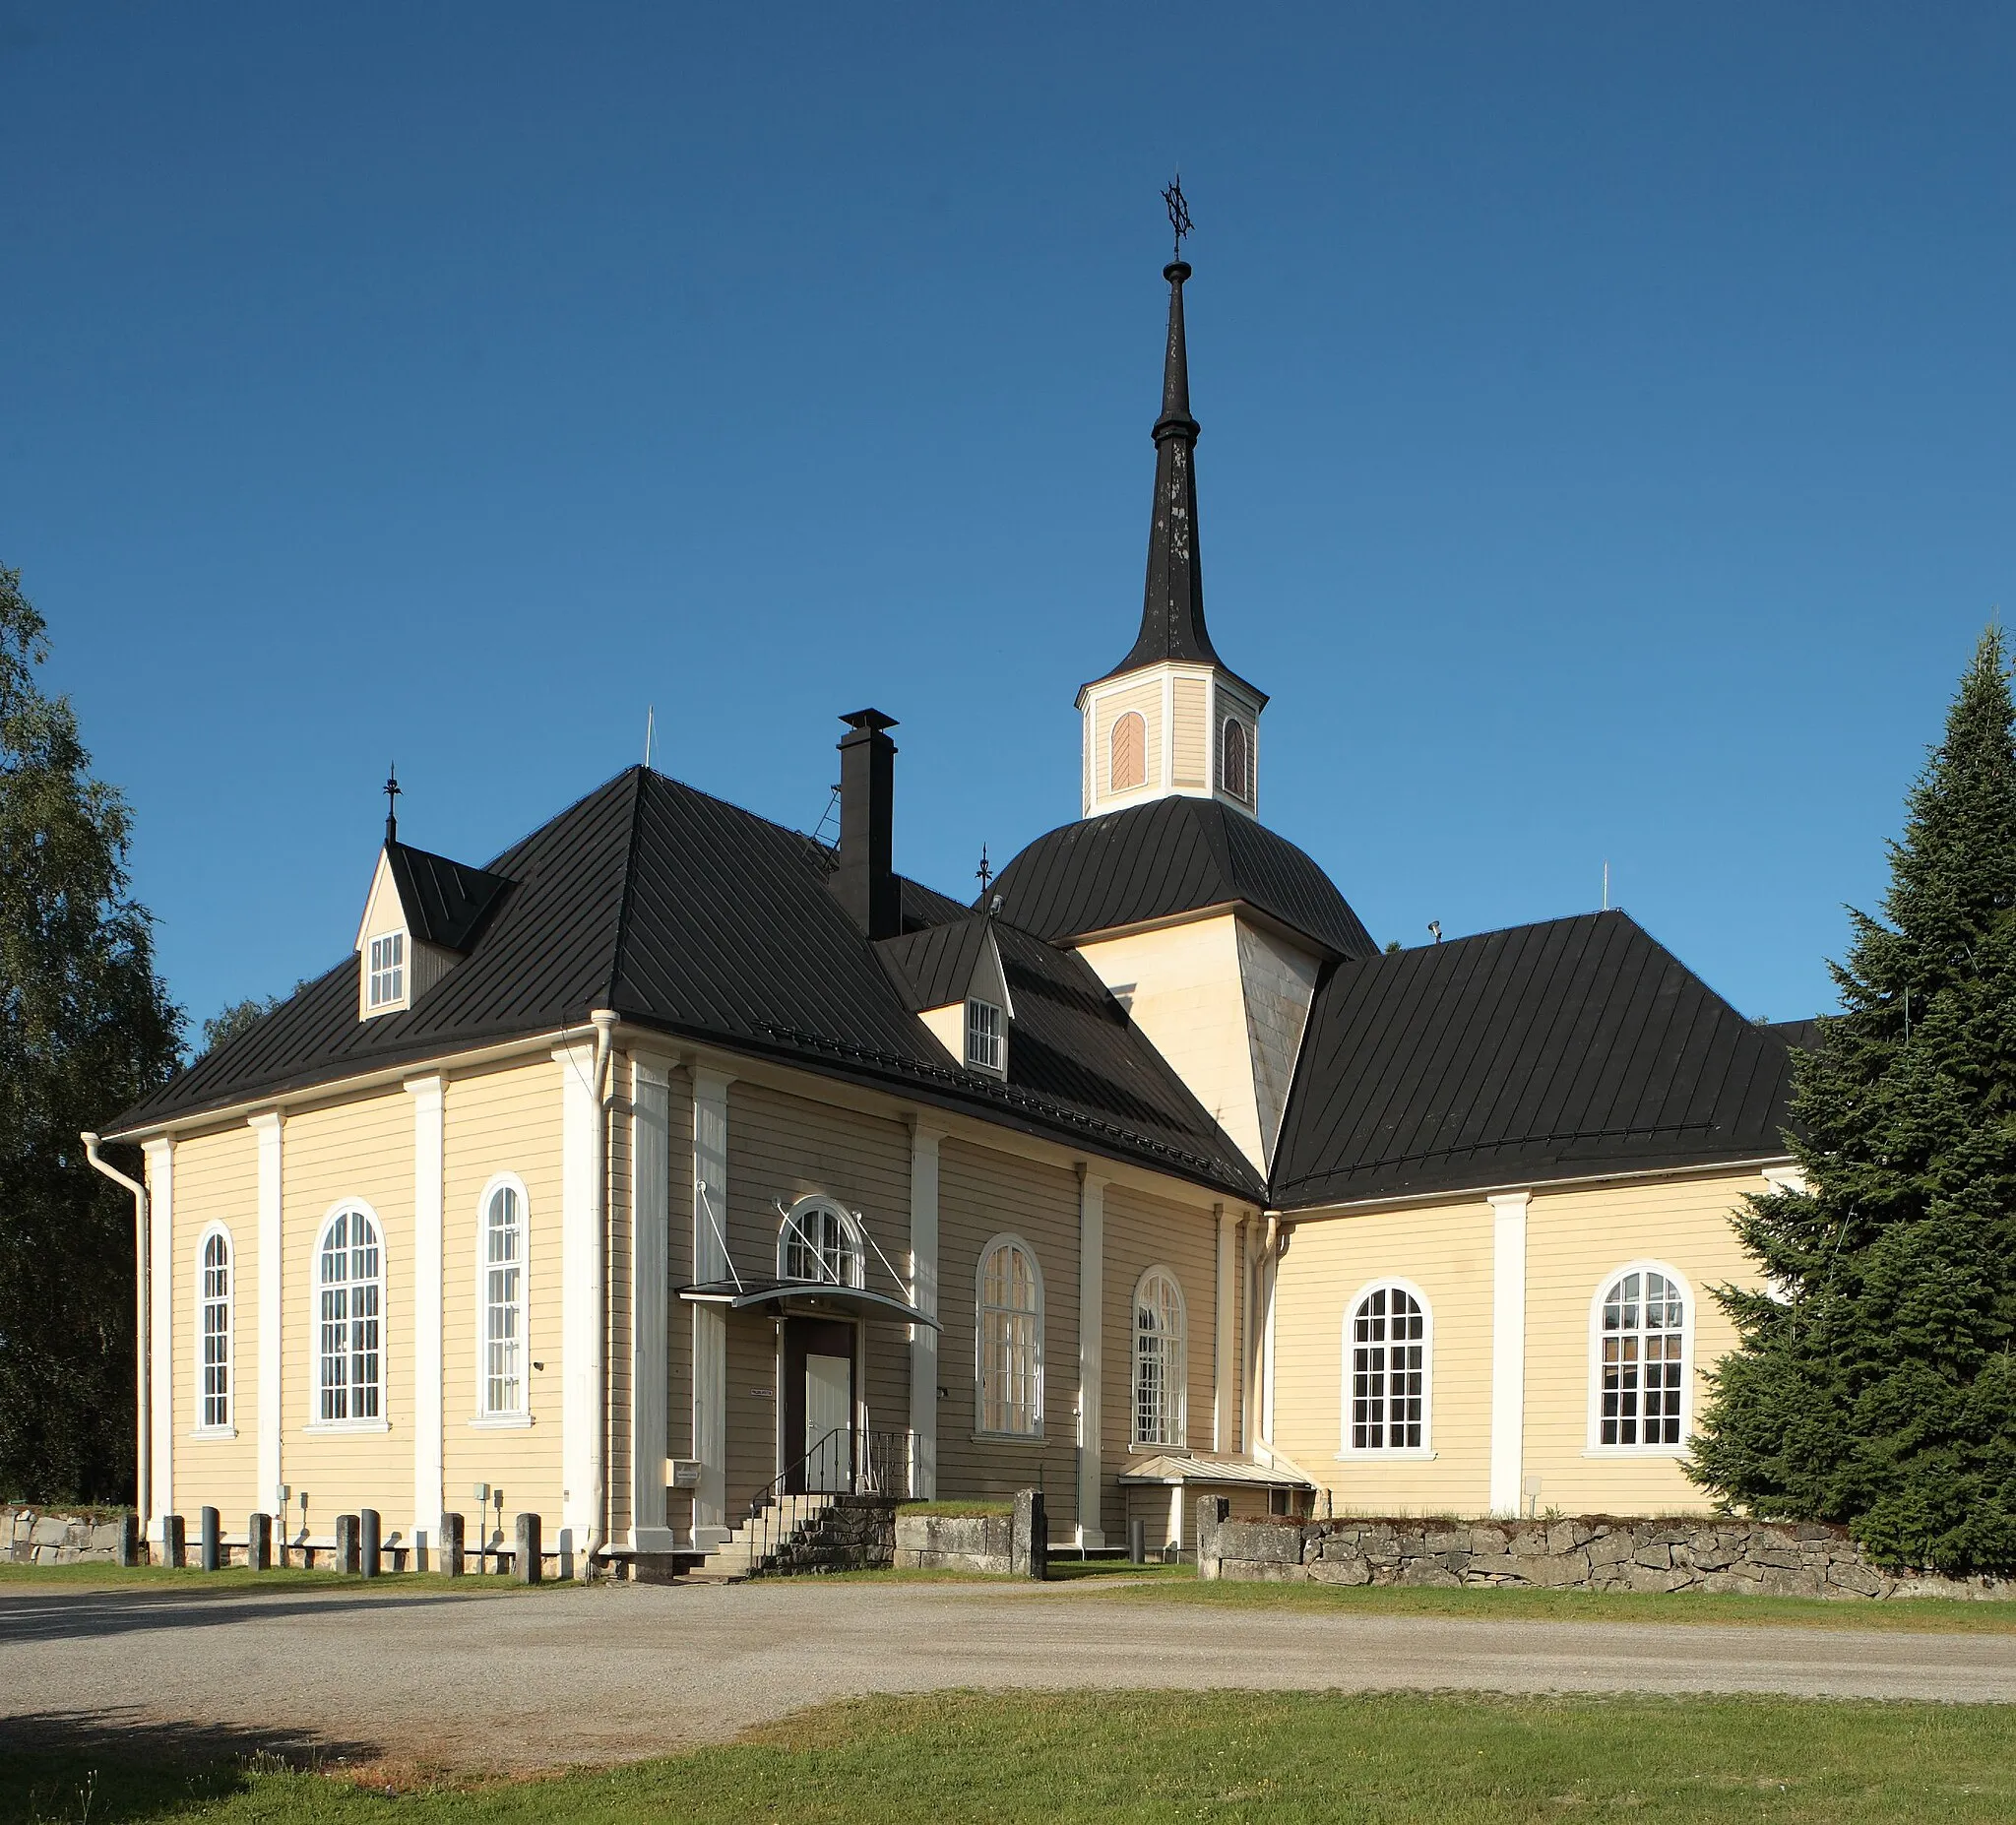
(394, 967)
(1160, 731)
(974, 1029)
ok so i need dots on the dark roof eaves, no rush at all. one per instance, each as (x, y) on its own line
(1485, 1185)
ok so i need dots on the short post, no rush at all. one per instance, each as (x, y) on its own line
(368, 1534)
(131, 1548)
(527, 1568)
(1028, 1541)
(1212, 1510)
(346, 1556)
(209, 1538)
(450, 1545)
(420, 1544)
(1137, 1541)
(175, 1542)
(259, 1543)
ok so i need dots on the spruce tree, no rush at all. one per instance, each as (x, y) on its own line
(85, 1030)
(1873, 1383)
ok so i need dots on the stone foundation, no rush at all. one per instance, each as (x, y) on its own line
(1594, 1554)
(857, 1534)
(1011, 1545)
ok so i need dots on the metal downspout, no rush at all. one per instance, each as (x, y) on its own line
(143, 1379)
(599, 1364)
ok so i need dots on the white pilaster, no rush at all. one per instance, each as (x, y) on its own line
(1508, 1350)
(581, 1292)
(1225, 1413)
(651, 1216)
(1091, 1255)
(161, 1274)
(429, 1101)
(710, 1322)
(924, 1295)
(267, 1127)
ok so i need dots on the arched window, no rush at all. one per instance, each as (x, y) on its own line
(1639, 1332)
(1131, 752)
(1387, 1367)
(349, 1294)
(1158, 1372)
(501, 1295)
(1008, 1339)
(820, 1241)
(214, 1329)
(1234, 761)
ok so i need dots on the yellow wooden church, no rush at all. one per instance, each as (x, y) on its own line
(674, 1162)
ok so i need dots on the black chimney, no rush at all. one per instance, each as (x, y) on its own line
(865, 880)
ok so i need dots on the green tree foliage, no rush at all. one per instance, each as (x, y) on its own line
(86, 1028)
(1873, 1384)
(240, 1017)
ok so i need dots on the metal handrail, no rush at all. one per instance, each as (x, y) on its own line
(879, 1465)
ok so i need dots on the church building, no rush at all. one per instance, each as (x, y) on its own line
(673, 1160)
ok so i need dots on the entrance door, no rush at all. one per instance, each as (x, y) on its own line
(818, 1373)
(829, 1423)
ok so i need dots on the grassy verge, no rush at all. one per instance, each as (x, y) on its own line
(1384, 1759)
(1478, 1602)
(958, 1511)
(22, 1579)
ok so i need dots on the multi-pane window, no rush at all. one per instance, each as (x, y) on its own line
(1159, 1343)
(1643, 1360)
(1389, 1371)
(387, 969)
(1010, 1338)
(350, 1295)
(214, 1303)
(1131, 752)
(983, 1036)
(1234, 761)
(504, 1301)
(819, 1241)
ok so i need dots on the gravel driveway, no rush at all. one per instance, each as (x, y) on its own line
(523, 1679)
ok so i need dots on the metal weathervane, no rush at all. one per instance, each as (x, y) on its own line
(1179, 213)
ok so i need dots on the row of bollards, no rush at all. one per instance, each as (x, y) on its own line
(360, 1548)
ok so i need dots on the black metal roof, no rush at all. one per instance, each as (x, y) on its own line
(685, 913)
(445, 902)
(1556, 1051)
(1169, 856)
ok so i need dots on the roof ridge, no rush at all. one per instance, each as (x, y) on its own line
(618, 950)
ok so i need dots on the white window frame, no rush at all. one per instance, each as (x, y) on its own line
(1179, 1414)
(996, 1066)
(980, 1309)
(227, 1426)
(380, 1421)
(1347, 1390)
(400, 970)
(849, 1227)
(503, 1417)
(1596, 1448)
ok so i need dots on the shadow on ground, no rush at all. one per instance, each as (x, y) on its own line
(118, 1765)
(99, 1613)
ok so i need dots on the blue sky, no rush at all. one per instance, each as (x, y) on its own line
(1607, 429)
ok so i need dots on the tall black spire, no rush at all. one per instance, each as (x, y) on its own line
(1173, 607)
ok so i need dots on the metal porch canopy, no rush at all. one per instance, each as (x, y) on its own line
(854, 1301)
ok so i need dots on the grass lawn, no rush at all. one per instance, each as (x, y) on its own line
(1943, 1615)
(1448, 1758)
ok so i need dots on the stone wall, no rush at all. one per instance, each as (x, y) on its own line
(43, 1536)
(1595, 1553)
(1014, 1544)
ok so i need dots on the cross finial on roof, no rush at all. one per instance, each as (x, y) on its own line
(984, 873)
(392, 792)
(1180, 213)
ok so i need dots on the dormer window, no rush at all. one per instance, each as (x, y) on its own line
(387, 969)
(983, 1036)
